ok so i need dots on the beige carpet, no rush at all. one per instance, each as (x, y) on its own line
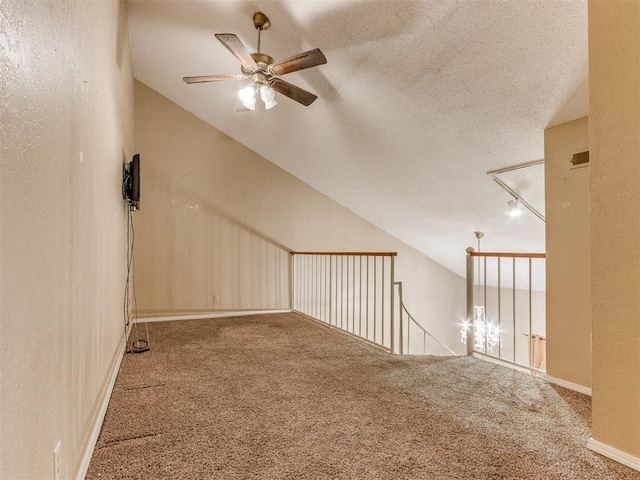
(281, 397)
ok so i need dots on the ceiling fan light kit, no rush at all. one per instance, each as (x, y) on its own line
(263, 71)
(248, 96)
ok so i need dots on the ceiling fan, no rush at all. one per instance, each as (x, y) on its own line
(263, 71)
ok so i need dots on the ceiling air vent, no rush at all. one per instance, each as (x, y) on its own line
(580, 159)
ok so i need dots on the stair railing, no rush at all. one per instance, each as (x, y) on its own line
(506, 308)
(421, 330)
(350, 291)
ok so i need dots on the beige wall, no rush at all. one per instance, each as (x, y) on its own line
(183, 273)
(614, 131)
(188, 162)
(67, 125)
(568, 254)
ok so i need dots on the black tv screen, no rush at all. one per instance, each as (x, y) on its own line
(131, 182)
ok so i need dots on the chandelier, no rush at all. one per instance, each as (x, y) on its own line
(486, 334)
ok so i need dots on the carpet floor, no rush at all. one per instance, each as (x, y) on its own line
(281, 397)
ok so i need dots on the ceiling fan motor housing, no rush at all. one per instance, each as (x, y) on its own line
(262, 58)
(259, 78)
(263, 61)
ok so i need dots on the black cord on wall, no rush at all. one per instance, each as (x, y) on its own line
(139, 345)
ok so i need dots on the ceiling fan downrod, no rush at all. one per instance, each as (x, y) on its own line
(261, 22)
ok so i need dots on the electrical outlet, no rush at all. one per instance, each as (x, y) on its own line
(216, 299)
(57, 461)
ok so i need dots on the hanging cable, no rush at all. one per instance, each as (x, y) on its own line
(138, 345)
(126, 305)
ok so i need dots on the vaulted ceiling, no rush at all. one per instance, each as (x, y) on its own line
(418, 100)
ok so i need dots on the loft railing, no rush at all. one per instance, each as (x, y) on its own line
(411, 332)
(351, 291)
(506, 308)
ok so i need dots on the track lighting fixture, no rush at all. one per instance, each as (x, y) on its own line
(518, 204)
(515, 210)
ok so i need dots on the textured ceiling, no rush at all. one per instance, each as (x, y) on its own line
(418, 100)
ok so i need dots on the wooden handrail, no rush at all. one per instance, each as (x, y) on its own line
(507, 255)
(354, 254)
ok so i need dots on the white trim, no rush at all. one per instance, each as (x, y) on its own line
(102, 409)
(219, 314)
(614, 454)
(498, 361)
(570, 385)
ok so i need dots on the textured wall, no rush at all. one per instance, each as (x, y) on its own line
(67, 124)
(614, 134)
(190, 163)
(568, 254)
(184, 268)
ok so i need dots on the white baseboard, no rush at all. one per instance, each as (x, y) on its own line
(497, 361)
(570, 385)
(102, 409)
(218, 314)
(614, 454)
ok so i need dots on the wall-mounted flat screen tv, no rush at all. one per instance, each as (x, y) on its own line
(131, 182)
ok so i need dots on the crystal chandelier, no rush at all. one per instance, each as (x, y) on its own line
(486, 334)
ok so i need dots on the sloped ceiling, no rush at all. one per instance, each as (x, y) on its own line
(419, 100)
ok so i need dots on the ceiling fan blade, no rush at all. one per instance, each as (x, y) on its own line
(213, 78)
(298, 62)
(293, 92)
(237, 49)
